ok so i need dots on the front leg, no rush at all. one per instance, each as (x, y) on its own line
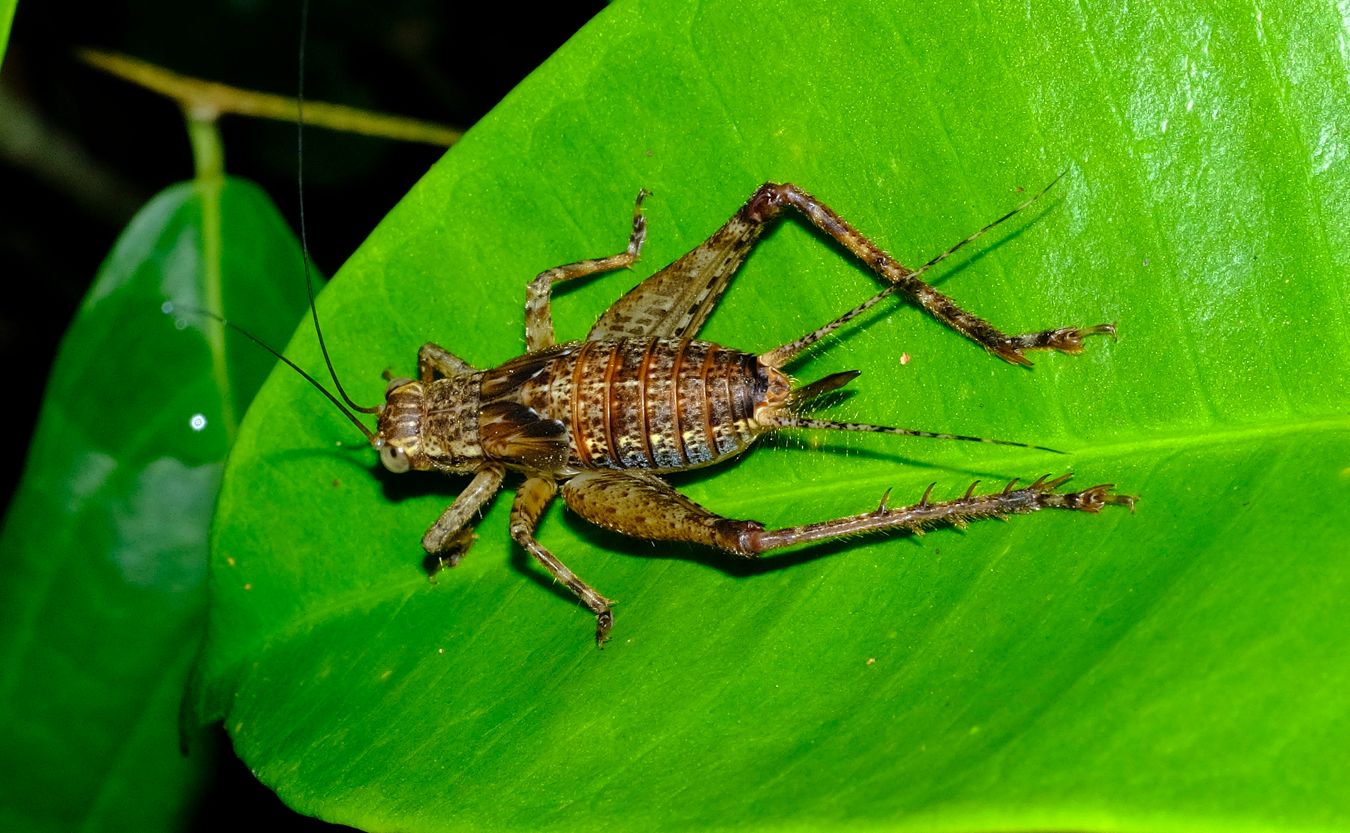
(434, 360)
(449, 538)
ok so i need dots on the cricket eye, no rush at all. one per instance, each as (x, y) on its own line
(394, 459)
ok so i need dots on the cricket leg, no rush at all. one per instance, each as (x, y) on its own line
(449, 538)
(924, 514)
(434, 360)
(534, 495)
(768, 202)
(538, 295)
(644, 506)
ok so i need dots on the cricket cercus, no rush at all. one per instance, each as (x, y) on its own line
(641, 396)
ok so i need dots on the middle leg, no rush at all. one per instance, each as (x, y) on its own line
(531, 500)
(539, 294)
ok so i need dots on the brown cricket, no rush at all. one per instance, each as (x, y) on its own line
(641, 396)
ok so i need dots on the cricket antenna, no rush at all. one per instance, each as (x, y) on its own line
(977, 235)
(304, 238)
(785, 420)
(800, 400)
(168, 308)
(783, 354)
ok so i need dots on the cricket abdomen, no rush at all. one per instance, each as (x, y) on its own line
(653, 404)
(660, 404)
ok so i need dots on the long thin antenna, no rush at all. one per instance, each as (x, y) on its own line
(783, 354)
(170, 308)
(793, 421)
(304, 237)
(977, 235)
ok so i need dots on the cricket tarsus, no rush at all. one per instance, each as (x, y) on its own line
(599, 421)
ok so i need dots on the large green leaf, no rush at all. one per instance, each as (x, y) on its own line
(6, 20)
(105, 544)
(1176, 668)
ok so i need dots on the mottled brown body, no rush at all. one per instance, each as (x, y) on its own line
(656, 404)
(641, 396)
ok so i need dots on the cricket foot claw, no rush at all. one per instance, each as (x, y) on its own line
(1074, 336)
(1070, 339)
(1064, 340)
(449, 556)
(1088, 500)
(604, 621)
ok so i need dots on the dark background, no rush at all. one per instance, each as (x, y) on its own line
(81, 152)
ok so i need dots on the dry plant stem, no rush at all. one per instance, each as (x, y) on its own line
(207, 100)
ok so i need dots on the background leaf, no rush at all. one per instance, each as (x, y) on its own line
(1170, 669)
(105, 544)
(6, 18)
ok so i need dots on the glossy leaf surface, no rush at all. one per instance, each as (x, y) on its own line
(1172, 669)
(6, 20)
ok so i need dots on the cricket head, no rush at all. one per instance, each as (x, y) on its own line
(399, 425)
(429, 425)
(419, 427)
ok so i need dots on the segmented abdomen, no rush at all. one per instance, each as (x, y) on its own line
(656, 404)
